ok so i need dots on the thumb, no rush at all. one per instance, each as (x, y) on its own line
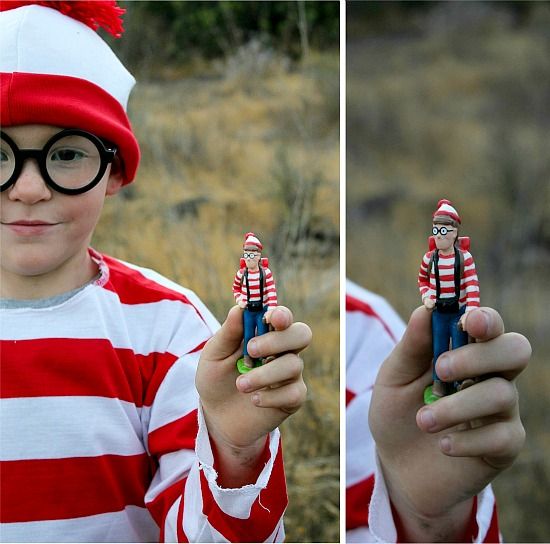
(228, 338)
(412, 357)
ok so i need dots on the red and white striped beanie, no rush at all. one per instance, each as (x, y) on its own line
(251, 240)
(55, 70)
(444, 207)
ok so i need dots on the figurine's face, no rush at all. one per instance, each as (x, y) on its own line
(251, 258)
(445, 236)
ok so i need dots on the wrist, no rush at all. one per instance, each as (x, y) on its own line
(420, 517)
(236, 464)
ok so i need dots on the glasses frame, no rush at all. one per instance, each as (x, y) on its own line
(107, 152)
(250, 254)
(438, 230)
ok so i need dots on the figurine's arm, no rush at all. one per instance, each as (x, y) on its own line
(270, 292)
(426, 290)
(470, 282)
(237, 287)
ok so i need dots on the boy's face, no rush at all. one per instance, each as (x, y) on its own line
(43, 231)
(444, 235)
(251, 257)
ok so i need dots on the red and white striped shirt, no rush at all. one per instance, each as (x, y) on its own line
(469, 284)
(101, 436)
(269, 291)
(372, 330)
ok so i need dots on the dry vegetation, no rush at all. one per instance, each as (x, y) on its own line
(462, 111)
(251, 145)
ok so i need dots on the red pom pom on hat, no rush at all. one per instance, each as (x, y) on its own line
(445, 207)
(251, 240)
(93, 13)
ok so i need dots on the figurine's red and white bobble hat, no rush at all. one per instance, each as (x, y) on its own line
(56, 70)
(252, 241)
(445, 208)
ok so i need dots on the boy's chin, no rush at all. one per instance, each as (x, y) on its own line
(33, 263)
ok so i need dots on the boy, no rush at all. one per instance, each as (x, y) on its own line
(104, 435)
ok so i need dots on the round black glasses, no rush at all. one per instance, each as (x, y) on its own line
(442, 230)
(72, 161)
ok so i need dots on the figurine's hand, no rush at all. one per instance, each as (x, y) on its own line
(242, 303)
(462, 321)
(436, 458)
(241, 410)
(429, 303)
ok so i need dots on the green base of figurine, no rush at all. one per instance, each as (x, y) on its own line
(243, 369)
(429, 397)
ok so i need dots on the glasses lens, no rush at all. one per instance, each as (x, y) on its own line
(73, 161)
(7, 162)
(434, 231)
(443, 231)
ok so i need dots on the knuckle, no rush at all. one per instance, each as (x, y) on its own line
(520, 348)
(296, 396)
(304, 332)
(296, 365)
(505, 394)
(504, 438)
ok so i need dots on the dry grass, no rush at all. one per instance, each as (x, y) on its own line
(224, 155)
(462, 116)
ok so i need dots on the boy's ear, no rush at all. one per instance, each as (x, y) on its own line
(114, 183)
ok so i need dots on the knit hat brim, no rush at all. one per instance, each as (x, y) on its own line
(69, 102)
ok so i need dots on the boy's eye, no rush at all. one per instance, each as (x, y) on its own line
(67, 155)
(4, 156)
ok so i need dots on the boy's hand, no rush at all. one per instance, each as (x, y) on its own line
(241, 410)
(436, 458)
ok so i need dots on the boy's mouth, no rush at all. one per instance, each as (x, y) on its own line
(27, 227)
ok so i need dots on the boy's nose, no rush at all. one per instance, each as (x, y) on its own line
(30, 187)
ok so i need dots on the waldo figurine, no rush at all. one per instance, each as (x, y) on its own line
(254, 291)
(449, 287)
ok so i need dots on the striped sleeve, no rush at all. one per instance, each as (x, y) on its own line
(237, 285)
(424, 285)
(372, 330)
(270, 292)
(184, 497)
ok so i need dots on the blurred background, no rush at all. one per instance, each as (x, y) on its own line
(237, 113)
(452, 100)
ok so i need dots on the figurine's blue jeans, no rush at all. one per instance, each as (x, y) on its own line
(253, 325)
(445, 328)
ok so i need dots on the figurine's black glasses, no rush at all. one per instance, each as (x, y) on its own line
(441, 230)
(71, 162)
(250, 255)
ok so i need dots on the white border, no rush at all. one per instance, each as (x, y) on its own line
(342, 271)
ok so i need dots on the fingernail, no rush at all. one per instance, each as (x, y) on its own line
(443, 367)
(244, 384)
(252, 347)
(427, 419)
(445, 444)
(256, 399)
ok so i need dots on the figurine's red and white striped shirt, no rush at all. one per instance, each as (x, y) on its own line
(372, 330)
(469, 284)
(102, 439)
(269, 291)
